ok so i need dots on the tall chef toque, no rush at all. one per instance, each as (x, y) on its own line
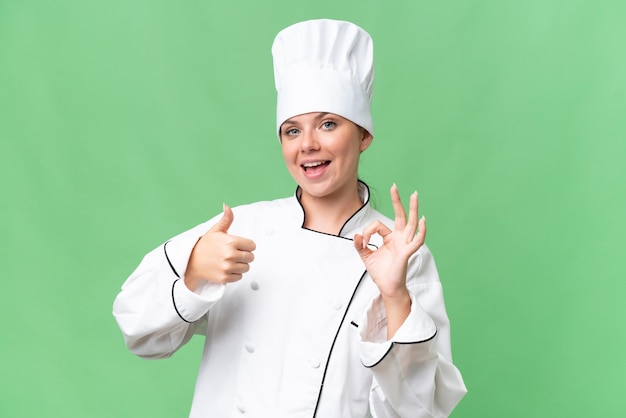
(324, 66)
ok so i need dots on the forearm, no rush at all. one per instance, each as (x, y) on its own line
(397, 309)
(414, 373)
(147, 317)
(155, 310)
(414, 380)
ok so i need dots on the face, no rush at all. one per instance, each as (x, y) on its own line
(321, 151)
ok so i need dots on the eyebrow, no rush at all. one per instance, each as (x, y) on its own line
(318, 117)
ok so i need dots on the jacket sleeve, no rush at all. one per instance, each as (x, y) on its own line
(156, 312)
(413, 371)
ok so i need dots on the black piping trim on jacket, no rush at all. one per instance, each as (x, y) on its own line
(396, 342)
(344, 224)
(168, 259)
(174, 283)
(360, 209)
(174, 303)
(330, 352)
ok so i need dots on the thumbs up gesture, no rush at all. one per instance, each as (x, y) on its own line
(219, 257)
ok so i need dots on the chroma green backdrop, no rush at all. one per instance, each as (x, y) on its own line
(123, 123)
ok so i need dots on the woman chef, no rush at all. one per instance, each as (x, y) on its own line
(314, 305)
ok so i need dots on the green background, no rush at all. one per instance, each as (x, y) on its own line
(123, 123)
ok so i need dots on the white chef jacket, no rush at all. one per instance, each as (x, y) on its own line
(303, 333)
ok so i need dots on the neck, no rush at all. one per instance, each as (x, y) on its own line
(328, 214)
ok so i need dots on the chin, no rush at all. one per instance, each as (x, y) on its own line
(318, 192)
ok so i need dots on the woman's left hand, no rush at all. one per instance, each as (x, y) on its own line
(387, 265)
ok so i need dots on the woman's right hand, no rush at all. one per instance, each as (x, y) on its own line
(219, 257)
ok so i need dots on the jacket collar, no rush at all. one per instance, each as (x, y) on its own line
(354, 223)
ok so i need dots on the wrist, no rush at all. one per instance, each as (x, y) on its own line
(192, 282)
(399, 298)
(398, 308)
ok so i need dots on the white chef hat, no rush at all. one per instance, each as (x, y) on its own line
(324, 66)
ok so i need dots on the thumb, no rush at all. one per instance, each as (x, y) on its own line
(227, 219)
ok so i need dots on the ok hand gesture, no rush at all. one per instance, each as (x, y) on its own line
(387, 265)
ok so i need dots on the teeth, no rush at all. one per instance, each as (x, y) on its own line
(309, 165)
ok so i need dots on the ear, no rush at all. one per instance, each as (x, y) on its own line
(366, 139)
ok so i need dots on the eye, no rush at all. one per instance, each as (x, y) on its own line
(291, 131)
(328, 124)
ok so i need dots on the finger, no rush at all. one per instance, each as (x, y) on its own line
(226, 276)
(227, 219)
(231, 266)
(421, 234)
(239, 268)
(358, 241)
(361, 246)
(375, 227)
(398, 209)
(420, 237)
(411, 226)
(233, 277)
(244, 257)
(242, 244)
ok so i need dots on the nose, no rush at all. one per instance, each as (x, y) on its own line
(309, 141)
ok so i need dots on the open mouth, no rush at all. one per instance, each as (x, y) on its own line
(315, 165)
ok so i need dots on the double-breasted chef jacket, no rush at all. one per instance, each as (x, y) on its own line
(303, 333)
